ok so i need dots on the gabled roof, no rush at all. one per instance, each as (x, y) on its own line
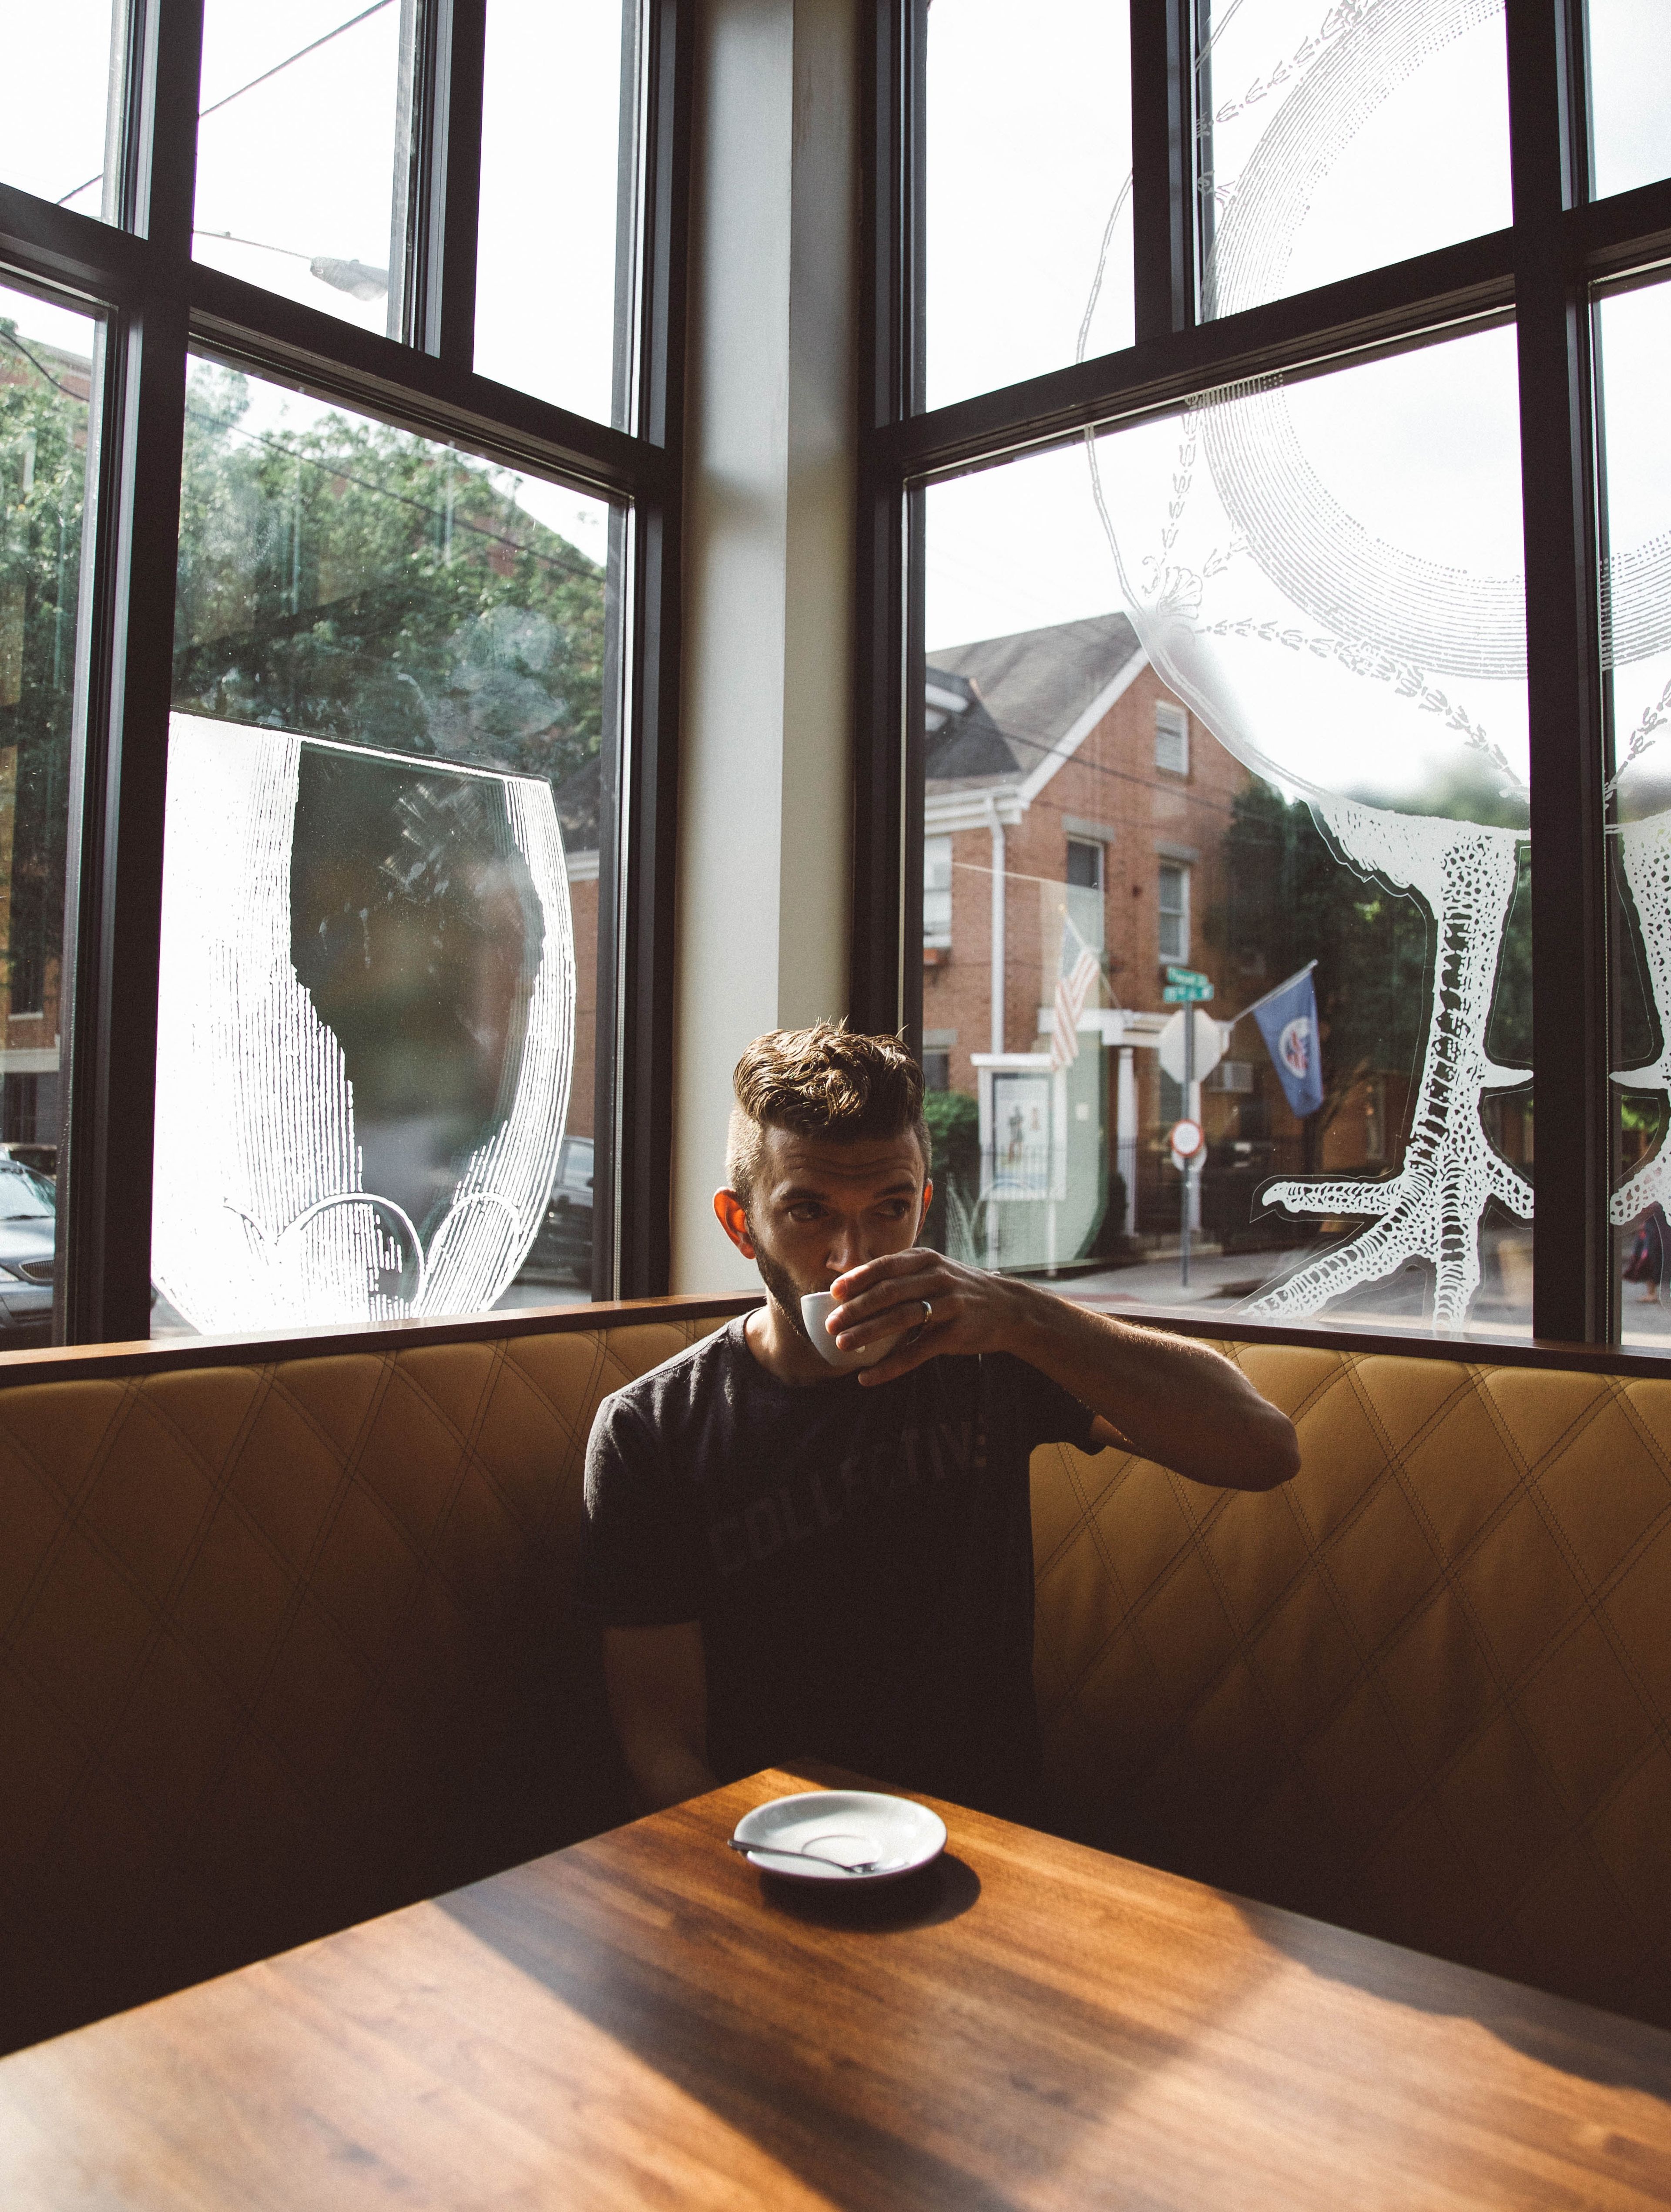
(1009, 711)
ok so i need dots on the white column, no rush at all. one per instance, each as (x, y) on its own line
(765, 757)
(997, 828)
(1125, 1131)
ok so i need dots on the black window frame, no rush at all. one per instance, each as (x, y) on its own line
(1542, 270)
(157, 304)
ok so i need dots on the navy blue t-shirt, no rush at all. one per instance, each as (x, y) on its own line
(860, 1559)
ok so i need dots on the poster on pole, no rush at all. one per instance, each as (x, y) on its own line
(1020, 1135)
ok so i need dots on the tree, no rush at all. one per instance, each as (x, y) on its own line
(352, 580)
(43, 475)
(1292, 898)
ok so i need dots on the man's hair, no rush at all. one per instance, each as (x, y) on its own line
(826, 1081)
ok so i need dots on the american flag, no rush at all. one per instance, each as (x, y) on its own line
(1076, 975)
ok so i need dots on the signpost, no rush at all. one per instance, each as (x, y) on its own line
(1189, 988)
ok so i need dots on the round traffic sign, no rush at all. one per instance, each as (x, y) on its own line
(1187, 1139)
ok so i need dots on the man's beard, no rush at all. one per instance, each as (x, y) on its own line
(780, 1288)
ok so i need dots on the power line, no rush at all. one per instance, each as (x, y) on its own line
(12, 340)
(215, 106)
(403, 498)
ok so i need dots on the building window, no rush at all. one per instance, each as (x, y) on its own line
(1171, 738)
(1084, 864)
(1174, 911)
(936, 1070)
(399, 848)
(936, 893)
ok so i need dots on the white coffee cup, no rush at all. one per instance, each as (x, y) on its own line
(814, 1311)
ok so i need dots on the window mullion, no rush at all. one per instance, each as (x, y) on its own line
(119, 771)
(636, 956)
(1163, 166)
(889, 302)
(1573, 1294)
(447, 175)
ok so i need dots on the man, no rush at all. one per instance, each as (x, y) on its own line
(789, 1562)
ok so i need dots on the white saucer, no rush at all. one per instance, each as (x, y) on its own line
(858, 1823)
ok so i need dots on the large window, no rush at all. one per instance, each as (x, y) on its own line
(378, 1008)
(1277, 586)
(334, 559)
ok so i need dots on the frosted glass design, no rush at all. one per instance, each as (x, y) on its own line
(1432, 1210)
(365, 1031)
(1344, 613)
(1335, 139)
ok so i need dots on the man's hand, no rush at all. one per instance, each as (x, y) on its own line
(968, 1309)
(1169, 1399)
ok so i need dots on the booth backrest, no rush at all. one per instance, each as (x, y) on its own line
(1424, 1690)
(285, 1642)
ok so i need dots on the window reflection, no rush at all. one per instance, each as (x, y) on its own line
(1028, 206)
(1297, 726)
(61, 102)
(1331, 140)
(377, 1050)
(303, 152)
(557, 237)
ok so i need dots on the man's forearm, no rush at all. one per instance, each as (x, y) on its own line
(1175, 1401)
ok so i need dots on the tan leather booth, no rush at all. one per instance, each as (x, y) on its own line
(285, 1642)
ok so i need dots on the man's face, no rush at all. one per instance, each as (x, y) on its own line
(820, 1207)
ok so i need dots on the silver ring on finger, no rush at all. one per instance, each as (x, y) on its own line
(928, 1312)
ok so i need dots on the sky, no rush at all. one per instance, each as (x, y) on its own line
(1029, 239)
(300, 167)
(1023, 180)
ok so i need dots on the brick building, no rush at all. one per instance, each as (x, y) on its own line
(1065, 783)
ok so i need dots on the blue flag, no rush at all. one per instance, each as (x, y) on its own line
(1288, 1023)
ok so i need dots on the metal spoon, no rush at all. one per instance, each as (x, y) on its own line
(787, 1852)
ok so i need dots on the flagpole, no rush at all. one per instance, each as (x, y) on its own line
(1275, 991)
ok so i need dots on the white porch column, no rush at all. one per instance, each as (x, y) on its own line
(1125, 1131)
(1192, 1181)
(764, 783)
(997, 830)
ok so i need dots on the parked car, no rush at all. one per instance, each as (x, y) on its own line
(562, 1250)
(28, 1222)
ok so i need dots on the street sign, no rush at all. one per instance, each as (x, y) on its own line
(1186, 975)
(1187, 994)
(1209, 1043)
(1186, 1137)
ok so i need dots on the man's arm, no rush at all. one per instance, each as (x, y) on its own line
(658, 1699)
(1169, 1399)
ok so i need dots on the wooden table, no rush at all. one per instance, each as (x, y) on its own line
(643, 2020)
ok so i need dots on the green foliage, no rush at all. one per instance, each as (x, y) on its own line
(1291, 899)
(43, 475)
(351, 580)
(954, 1123)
